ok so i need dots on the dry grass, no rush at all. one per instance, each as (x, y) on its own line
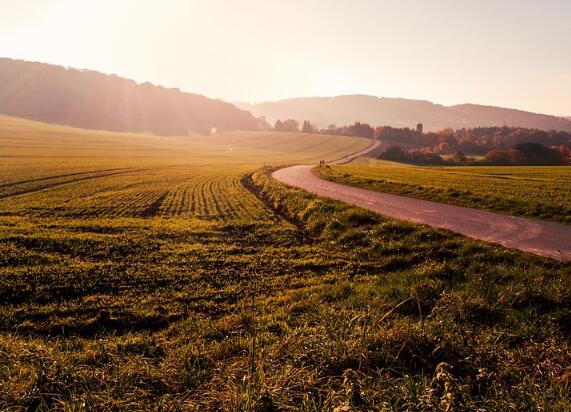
(165, 284)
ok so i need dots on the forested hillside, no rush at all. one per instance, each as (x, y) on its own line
(341, 110)
(93, 100)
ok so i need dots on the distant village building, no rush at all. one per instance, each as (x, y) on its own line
(419, 128)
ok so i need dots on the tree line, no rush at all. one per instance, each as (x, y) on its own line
(357, 129)
(523, 154)
(478, 140)
(484, 145)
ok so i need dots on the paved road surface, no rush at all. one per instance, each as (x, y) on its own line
(353, 156)
(540, 237)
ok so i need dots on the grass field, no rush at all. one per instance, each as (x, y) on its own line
(139, 273)
(56, 171)
(541, 192)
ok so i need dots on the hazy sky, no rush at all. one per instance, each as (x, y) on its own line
(514, 53)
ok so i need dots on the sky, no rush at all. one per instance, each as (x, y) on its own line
(510, 53)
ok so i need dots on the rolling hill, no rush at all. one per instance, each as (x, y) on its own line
(141, 270)
(342, 110)
(93, 100)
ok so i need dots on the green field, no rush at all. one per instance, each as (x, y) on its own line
(143, 273)
(99, 174)
(540, 192)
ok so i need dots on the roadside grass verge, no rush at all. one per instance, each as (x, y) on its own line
(316, 306)
(540, 192)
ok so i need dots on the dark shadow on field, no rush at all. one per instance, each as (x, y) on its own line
(155, 206)
(105, 322)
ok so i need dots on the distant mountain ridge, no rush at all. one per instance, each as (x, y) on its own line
(92, 100)
(397, 112)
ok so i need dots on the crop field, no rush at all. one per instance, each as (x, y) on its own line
(56, 171)
(541, 192)
(144, 273)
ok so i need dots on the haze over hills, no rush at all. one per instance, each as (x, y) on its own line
(93, 100)
(396, 112)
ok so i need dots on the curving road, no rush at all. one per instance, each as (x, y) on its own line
(540, 237)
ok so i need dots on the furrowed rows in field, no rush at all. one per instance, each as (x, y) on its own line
(132, 203)
(164, 192)
(212, 197)
(23, 187)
